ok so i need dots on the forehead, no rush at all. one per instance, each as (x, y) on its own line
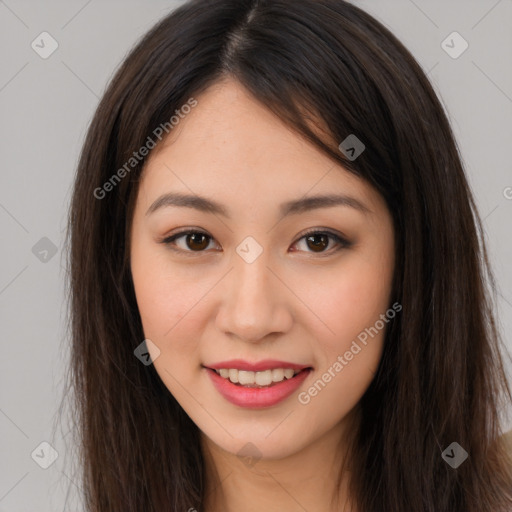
(231, 145)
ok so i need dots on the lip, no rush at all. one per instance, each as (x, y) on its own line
(259, 366)
(257, 398)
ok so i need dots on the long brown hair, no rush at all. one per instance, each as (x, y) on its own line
(441, 377)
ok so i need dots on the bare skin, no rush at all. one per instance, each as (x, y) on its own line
(301, 300)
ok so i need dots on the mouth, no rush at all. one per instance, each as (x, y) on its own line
(260, 379)
(257, 385)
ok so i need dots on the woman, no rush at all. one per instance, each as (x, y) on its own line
(277, 276)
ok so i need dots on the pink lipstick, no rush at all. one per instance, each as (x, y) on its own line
(258, 384)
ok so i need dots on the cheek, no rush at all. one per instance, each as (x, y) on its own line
(168, 301)
(347, 300)
(348, 354)
(170, 309)
(350, 337)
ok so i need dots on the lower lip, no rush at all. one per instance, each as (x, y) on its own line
(256, 398)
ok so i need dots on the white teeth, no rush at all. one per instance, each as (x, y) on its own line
(245, 377)
(277, 374)
(252, 379)
(288, 373)
(263, 378)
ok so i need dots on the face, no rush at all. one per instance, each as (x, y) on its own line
(288, 295)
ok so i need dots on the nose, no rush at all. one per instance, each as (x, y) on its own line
(255, 303)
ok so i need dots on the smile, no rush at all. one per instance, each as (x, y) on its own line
(260, 388)
(257, 379)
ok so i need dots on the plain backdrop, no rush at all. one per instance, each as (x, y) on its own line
(46, 105)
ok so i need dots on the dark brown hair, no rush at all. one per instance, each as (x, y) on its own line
(441, 377)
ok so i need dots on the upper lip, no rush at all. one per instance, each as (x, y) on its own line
(267, 364)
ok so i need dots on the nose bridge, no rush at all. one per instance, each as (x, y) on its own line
(251, 280)
(251, 306)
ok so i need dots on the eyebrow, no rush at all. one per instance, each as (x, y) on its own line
(296, 206)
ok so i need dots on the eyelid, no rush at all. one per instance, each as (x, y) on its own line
(340, 239)
(166, 240)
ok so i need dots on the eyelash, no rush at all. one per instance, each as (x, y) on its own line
(343, 243)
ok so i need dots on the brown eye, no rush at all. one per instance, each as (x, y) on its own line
(188, 241)
(318, 242)
(192, 241)
(197, 241)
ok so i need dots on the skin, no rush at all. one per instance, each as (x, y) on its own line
(292, 303)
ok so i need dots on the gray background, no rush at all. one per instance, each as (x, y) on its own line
(46, 105)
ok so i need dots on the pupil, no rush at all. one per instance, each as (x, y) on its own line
(318, 245)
